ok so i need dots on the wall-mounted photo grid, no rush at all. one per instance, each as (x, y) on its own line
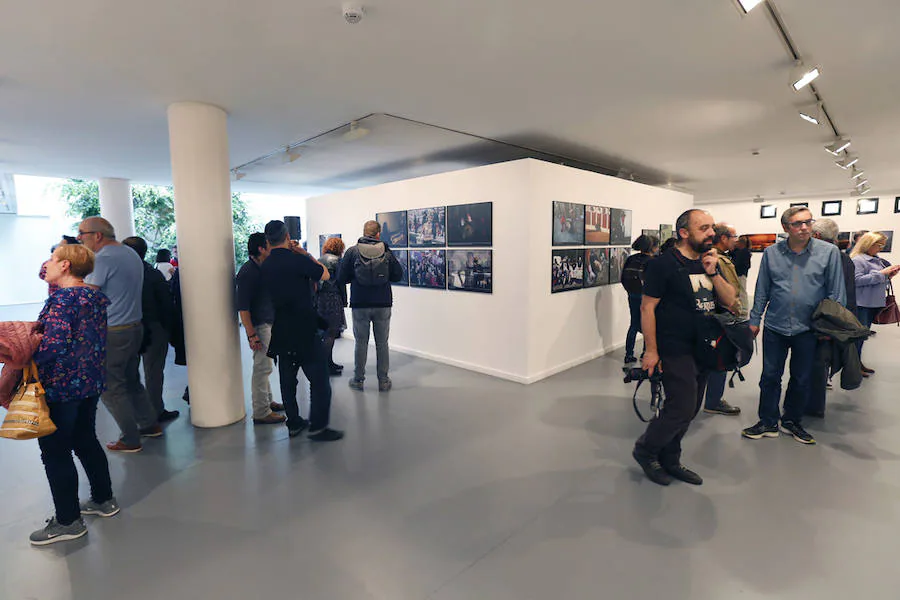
(428, 232)
(588, 267)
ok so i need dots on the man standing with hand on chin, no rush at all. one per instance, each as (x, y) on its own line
(680, 288)
(795, 275)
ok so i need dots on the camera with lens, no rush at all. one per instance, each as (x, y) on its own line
(638, 374)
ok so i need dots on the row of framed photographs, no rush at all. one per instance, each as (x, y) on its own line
(760, 241)
(459, 270)
(585, 224)
(831, 208)
(469, 225)
(586, 268)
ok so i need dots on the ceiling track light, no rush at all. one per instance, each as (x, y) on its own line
(856, 174)
(745, 6)
(290, 154)
(812, 113)
(837, 146)
(802, 76)
(863, 183)
(847, 162)
(238, 175)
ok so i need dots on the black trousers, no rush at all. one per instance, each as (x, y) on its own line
(315, 366)
(685, 386)
(75, 431)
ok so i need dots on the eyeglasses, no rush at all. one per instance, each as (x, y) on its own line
(80, 232)
(799, 224)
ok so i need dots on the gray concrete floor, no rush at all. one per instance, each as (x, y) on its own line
(459, 486)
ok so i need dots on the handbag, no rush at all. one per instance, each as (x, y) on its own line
(28, 416)
(890, 313)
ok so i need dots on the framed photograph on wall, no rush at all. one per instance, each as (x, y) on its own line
(803, 204)
(843, 240)
(393, 228)
(427, 227)
(620, 227)
(761, 241)
(767, 211)
(889, 244)
(596, 225)
(324, 237)
(897, 204)
(403, 259)
(666, 232)
(470, 224)
(566, 270)
(831, 208)
(470, 270)
(568, 224)
(596, 267)
(617, 257)
(428, 269)
(867, 206)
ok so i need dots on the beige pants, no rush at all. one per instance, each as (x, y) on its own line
(260, 384)
(744, 298)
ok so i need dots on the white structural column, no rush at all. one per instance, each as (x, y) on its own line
(198, 141)
(116, 206)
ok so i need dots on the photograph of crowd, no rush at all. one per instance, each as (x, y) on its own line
(470, 224)
(889, 244)
(403, 259)
(324, 237)
(843, 240)
(470, 270)
(617, 258)
(596, 267)
(568, 224)
(427, 227)
(428, 269)
(596, 225)
(666, 232)
(620, 226)
(567, 270)
(650, 232)
(393, 228)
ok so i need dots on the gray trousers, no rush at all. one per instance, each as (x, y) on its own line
(260, 382)
(380, 318)
(125, 397)
(154, 359)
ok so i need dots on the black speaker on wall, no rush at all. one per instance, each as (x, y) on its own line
(293, 226)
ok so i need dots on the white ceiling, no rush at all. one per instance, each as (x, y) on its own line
(678, 91)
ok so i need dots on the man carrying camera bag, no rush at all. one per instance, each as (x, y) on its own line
(681, 287)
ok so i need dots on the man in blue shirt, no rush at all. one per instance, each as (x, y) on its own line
(795, 275)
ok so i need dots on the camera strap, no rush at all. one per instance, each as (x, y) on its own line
(657, 397)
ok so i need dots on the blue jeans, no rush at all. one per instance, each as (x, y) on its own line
(634, 328)
(775, 350)
(715, 388)
(380, 319)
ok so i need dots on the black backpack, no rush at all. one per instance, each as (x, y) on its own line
(633, 273)
(372, 265)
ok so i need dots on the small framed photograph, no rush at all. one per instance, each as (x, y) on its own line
(831, 208)
(897, 204)
(767, 211)
(867, 206)
(803, 204)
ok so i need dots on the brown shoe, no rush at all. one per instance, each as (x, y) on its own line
(153, 431)
(276, 407)
(866, 370)
(120, 446)
(272, 419)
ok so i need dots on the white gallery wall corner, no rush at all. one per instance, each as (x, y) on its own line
(520, 332)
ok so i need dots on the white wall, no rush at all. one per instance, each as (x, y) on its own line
(745, 217)
(521, 332)
(26, 245)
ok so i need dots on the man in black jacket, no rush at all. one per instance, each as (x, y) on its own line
(370, 267)
(158, 308)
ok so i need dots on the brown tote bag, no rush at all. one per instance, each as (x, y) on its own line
(890, 313)
(28, 416)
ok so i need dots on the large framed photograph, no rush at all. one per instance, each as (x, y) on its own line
(617, 258)
(596, 267)
(470, 224)
(831, 208)
(567, 270)
(568, 224)
(665, 233)
(897, 204)
(760, 241)
(428, 269)
(768, 211)
(890, 241)
(620, 227)
(427, 227)
(393, 228)
(867, 206)
(843, 240)
(403, 259)
(596, 225)
(324, 237)
(470, 270)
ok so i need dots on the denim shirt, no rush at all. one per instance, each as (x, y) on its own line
(792, 284)
(870, 282)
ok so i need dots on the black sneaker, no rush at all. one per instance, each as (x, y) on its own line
(304, 425)
(800, 434)
(682, 473)
(167, 415)
(723, 408)
(326, 435)
(630, 359)
(652, 469)
(760, 431)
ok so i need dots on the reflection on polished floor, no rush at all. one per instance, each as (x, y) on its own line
(457, 486)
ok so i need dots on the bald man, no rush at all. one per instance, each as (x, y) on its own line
(119, 274)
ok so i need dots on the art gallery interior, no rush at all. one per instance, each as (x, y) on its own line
(513, 152)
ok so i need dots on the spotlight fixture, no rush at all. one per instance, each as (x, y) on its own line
(803, 76)
(238, 175)
(812, 113)
(863, 183)
(862, 191)
(354, 132)
(748, 5)
(847, 162)
(837, 146)
(856, 174)
(290, 155)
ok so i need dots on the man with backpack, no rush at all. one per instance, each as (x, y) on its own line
(370, 267)
(633, 281)
(681, 288)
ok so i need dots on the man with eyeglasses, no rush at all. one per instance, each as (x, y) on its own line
(795, 275)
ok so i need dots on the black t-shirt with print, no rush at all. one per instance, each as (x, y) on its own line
(685, 292)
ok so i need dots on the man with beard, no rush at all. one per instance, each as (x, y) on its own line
(680, 287)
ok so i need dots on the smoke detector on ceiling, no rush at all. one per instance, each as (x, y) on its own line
(353, 13)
